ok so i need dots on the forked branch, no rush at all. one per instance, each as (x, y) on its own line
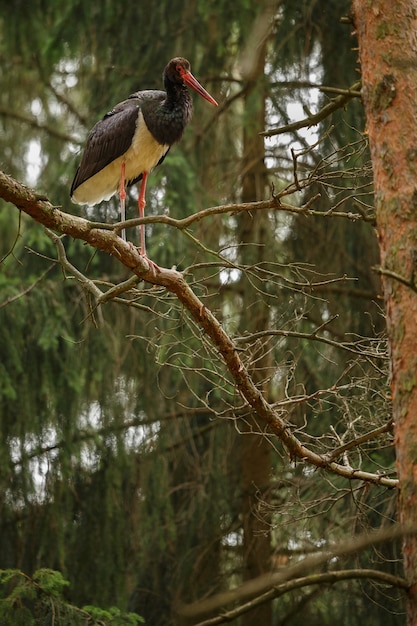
(107, 240)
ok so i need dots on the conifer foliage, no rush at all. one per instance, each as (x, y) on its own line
(200, 444)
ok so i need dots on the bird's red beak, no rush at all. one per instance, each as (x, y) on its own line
(192, 82)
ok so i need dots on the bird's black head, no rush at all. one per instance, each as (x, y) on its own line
(176, 69)
(177, 72)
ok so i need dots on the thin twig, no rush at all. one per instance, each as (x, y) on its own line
(213, 332)
(401, 279)
(354, 443)
(23, 293)
(312, 120)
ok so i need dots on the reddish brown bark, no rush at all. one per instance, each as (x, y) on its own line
(388, 52)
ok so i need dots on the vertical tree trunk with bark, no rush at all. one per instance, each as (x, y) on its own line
(388, 52)
(255, 240)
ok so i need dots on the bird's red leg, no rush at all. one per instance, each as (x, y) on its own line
(141, 205)
(122, 196)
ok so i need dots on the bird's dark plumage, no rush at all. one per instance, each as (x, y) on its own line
(135, 136)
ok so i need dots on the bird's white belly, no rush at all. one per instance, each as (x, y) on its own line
(142, 156)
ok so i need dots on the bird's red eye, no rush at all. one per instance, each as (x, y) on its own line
(181, 71)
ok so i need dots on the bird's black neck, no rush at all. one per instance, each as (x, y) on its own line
(168, 121)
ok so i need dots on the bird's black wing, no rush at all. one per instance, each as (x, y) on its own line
(112, 136)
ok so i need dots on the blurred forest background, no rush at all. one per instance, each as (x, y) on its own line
(128, 461)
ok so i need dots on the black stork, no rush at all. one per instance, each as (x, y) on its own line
(133, 138)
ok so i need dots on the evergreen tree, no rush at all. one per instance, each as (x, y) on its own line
(129, 461)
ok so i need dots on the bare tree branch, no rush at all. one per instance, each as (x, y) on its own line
(312, 120)
(106, 240)
(268, 583)
(328, 578)
(352, 347)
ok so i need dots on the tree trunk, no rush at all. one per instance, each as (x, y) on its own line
(388, 52)
(255, 451)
